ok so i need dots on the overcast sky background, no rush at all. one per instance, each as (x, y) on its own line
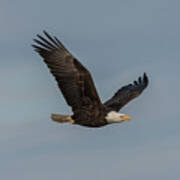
(117, 41)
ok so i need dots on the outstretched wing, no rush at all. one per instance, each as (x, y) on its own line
(72, 77)
(127, 93)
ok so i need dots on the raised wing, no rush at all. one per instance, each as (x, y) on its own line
(127, 93)
(72, 77)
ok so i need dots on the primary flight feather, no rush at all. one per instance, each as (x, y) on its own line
(78, 89)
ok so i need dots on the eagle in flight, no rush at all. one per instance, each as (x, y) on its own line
(78, 89)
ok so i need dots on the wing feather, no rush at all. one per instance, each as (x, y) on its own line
(73, 78)
(127, 93)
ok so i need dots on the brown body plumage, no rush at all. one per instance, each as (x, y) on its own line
(77, 85)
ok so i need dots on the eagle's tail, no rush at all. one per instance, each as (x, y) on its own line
(62, 118)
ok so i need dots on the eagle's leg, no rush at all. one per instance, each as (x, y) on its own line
(62, 118)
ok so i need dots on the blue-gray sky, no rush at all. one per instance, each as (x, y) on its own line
(117, 41)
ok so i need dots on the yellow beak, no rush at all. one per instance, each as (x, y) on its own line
(126, 117)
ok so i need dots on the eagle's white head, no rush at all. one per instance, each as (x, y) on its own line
(115, 117)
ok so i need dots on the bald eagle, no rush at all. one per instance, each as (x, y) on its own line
(78, 89)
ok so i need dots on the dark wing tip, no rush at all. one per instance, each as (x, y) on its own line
(43, 44)
(55, 40)
(49, 43)
(142, 81)
(145, 80)
(46, 33)
(135, 83)
(36, 48)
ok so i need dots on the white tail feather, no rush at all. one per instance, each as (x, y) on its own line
(61, 118)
